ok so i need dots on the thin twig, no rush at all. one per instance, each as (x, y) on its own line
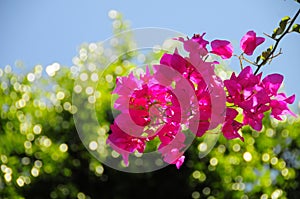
(279, 53)
(270, 36)
(250, 62)
(241, 63)
(240, 59)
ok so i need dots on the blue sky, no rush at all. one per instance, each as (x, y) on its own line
(43, 32)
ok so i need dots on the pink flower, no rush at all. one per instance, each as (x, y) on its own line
(279, 106)
(255, 96)
(148, 110)
(197, 82)
(167, 134)
(249, 42)
(222, 48)
(179, 161)
(254, 120)
(247, 92)
(230, 127)
(199, 39)
(124, 143)
(176, 62)
(174, 156)
(196, 45)
(254, 109)
(279, 102)
(272, 83)
(171, 152)
(243, 86)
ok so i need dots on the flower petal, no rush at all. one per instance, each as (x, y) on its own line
(222, 48)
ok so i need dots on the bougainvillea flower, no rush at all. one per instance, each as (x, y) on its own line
(185, 92)
(256, 96)
(196, 45)
(245, 91)
(199, 39)
(179, 161)
(222, 48)
(171, 152)
(123, 143)
(207, 85)
(230, 127)
(150, 110)
(254, 120)
(174, 157)
(253, 114)
(168, 133)
(197, 82)
(249, 42)
(243, 86)
(279, 106)
(175, 61)
(272, 83)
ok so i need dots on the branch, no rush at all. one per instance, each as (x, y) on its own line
(276, 43)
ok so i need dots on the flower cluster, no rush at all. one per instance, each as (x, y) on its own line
(148, 110)
(254, 96)
(185, 93)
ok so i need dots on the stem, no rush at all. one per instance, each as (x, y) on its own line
(276, 43)
(241, 62)
(250, 62)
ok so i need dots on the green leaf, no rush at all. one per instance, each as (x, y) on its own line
(270, 48)
(265, 54)
(282, 25)
(277, 31)
(296, 28)
(283, 22)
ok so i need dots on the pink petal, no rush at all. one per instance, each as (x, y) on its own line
(272, 83)
(199, 39)
(259, 40)
(245, 73)
(290, 99)
(179, 162)
(230, 130)
(222, 48)
(249, 42)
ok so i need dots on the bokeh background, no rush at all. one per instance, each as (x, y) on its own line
(46, 45)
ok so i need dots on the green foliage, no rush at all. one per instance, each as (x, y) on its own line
(296, 28)
(283, 22)
(41, 155)
(282, 26)
(266, 54)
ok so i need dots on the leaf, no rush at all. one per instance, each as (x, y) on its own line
(270, 48)
(282, 25)
(296, 28)
(283, 22)
(277, 31)
(265, 54)
(297, 1)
